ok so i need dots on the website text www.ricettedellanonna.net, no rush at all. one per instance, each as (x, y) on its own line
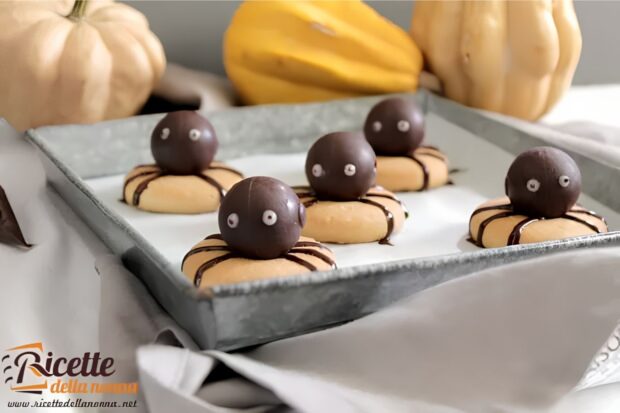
(78, 402)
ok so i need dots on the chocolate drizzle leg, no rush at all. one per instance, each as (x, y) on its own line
(215, 184)
(514, 237)
(301, 247)
(591, 213)
(10, 232)
(206, 248)
(212, 263)
(158, 173)
(388, 216)
(306, 192)
(136, 176)
(300, 261)
(390, 197)
(431, 151)
(142, 187)
(515, 234)
(424, 171)
(314, 253)
(486, 222)
(582, 221)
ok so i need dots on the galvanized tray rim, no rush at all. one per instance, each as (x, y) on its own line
(323, 277)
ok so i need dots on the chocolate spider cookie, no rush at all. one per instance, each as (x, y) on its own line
(342, 204)
(184, 179)
(260, 221)
(542, 188)
(395, 129)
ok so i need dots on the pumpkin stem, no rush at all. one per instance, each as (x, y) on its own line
(78, 10)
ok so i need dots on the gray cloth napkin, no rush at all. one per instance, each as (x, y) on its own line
(47, 291)
(38, 283)
(516, 338)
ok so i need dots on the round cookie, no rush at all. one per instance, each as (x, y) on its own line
(211, 262)
(496, 224)
(374, 217)
(426, 169)
(149, 188)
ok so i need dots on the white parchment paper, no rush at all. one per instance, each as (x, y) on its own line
(438, 220)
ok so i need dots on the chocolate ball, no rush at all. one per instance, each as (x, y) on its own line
(183, 143)
(395, 126)
(341, 166)
(543, 182)
(261, 217)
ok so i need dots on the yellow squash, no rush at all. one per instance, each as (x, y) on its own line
(74, 62)
(298, 51)
(514, 57)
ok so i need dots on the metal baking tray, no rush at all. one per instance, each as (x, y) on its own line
(235, 316)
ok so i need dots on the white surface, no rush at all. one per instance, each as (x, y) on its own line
(596, 104)
(437, 224)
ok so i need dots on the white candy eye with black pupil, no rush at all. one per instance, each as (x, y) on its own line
(317, 170)
(232, 220)
(564, 181)
(403, 125)
(270, 217)
(533, 185)
(376, 126)
(349, 169)
(165, 133)
(194, 134)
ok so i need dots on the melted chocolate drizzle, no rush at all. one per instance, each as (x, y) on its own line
(299, 261)
(514, 237)
(424, 171)
(142, 187)
(159, 173)
(433, 152)
(136, 176)
(314, 253)
(212, 263)
(10, 231)
(388, 216)
(213, 183)
(309, 193)
(300, 247)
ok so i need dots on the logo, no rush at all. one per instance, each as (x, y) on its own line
(30, 369)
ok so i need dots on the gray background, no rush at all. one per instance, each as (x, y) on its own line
(191, 32)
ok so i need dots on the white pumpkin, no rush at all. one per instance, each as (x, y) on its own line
(74, 62)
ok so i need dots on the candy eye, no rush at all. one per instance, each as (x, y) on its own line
(194, 134)
(349, 169)
(533, 185)
(317, 170)
(564, 181)
(376, 126)
(403, 125)
(165, 133)
(270, 217)
(232, 220)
